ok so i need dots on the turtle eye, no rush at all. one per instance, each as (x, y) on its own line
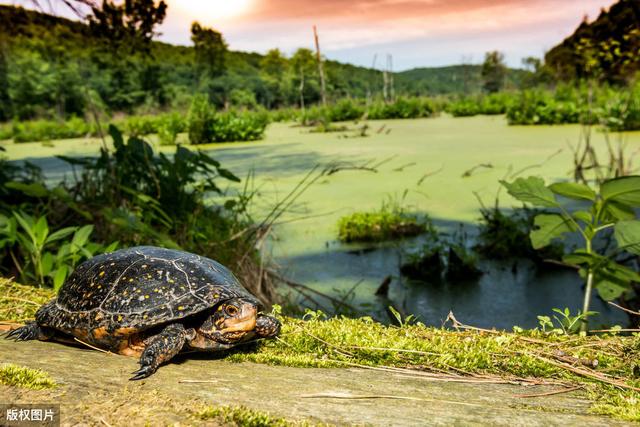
(231, 310)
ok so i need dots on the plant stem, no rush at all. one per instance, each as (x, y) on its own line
(587, 300)
(587, 294)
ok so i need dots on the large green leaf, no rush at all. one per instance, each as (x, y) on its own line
(627, 235)
(81, 236)
(610, 290)
(531, 190)
(624, 190)
(60, 234)
(573, 190)
(618, 211)
(549, 227)
(35, 189)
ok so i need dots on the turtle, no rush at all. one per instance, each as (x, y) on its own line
(151, 303)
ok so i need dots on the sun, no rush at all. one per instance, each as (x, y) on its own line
(213, 9)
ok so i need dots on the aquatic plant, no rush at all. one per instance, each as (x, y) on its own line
(612, 207)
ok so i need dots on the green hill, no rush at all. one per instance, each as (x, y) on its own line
(607, 48)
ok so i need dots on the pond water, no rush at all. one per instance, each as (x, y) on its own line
(421, 163)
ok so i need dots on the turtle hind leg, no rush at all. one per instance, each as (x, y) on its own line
(161, 348)
(30, 331)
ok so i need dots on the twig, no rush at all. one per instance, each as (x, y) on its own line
(624, 309)
(92, 347)
(399, 350)
(299, 286)
(198, 381)
(21, 300)
(584, 372)
(614, 330)
(335, 347)
(469, 172)
(381, 396)
(550, 393)
(429, 174)
(102, 420)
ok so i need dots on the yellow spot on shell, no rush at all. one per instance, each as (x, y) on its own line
(130, 280)
(101, 273)
(119, 318)
(181, 308)
(172, 281)
(146, 296)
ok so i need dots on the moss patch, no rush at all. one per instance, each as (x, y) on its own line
(521, 357)
(19, 302)
(21, 376)
(241, 416)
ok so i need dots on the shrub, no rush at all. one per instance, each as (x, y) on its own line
(169, 126)
(200, 121)
(46, 130)
(402, 108)
(236, 126)
(388, 223)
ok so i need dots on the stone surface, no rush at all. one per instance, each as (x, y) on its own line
(86, 375)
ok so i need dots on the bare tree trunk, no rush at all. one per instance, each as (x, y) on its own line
(323, 88)
(301, 89)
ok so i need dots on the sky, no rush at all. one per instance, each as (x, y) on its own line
(417, 33)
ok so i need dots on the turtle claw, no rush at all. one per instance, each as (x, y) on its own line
(28, 332)
(142, 373)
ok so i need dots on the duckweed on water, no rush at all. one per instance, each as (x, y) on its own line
(21, 376)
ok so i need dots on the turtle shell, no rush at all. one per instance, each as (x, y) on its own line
(139, 288)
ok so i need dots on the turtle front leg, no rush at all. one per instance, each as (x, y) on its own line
(30, 331)
(161, 348)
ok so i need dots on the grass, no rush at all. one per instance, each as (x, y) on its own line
(21, 376)
(18, 302)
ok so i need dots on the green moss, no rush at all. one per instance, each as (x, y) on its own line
(378, 226)
(21, 376)
(341, 342)
(241, 416)
(19, 302)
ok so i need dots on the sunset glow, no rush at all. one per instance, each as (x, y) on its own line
(211, 10)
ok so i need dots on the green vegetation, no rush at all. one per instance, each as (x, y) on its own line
(19, 303)
(606, 48)
(21, 376)
(130, 195)
(245, 417)
(442, 257)
(414, 348)
(388, 223)
(612, 207)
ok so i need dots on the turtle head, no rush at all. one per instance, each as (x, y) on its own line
(231, 321)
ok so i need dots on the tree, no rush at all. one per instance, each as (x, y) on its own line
(130, 24)
(272, 67)
(493, 72)
(303, 66)
(210, 50)
(5, 100)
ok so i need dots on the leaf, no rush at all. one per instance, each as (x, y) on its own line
(46, 263)
(624, 190)
(35, 189)
(41, 231)
(60, 276)
(609, 291)
(573, 190)
(618, 211)
(583, 216)
(60, 234)
(627, 234)
(549, 227)
(82, 235)
(26, 222)
(531, 190)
